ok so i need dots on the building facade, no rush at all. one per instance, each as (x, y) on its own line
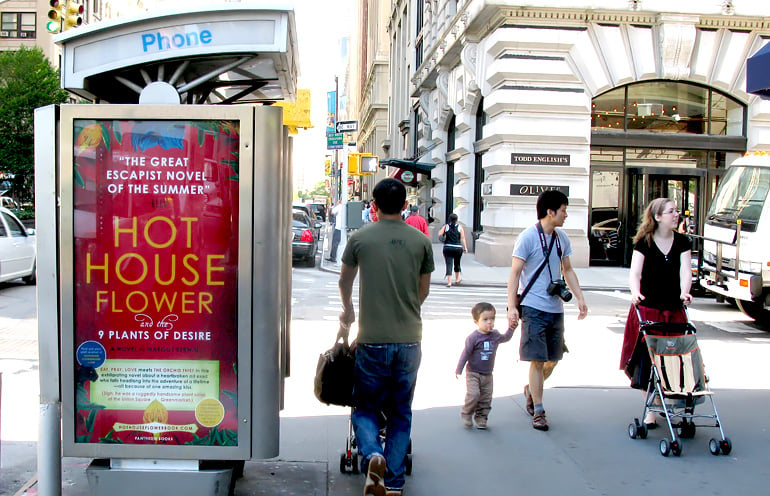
(371, 87)
(614, 105)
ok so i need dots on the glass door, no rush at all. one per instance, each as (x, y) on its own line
(683, 186)
(684, 191)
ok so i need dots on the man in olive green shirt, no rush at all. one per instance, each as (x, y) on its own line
(395, 262)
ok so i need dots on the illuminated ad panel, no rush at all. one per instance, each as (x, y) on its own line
(155, 281)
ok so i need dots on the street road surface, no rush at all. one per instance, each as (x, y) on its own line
(587, 440)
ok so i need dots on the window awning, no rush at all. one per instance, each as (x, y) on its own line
(409, 165)
(758, 72)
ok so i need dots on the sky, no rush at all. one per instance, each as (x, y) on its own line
(320, 26)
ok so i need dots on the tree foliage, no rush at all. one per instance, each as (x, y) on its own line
(320, 189)
(27, 81)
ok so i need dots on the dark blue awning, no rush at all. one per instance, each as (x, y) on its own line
(758, 73)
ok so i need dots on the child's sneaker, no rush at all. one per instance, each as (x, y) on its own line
(467, 422)
(481, 423)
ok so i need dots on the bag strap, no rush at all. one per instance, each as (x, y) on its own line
(539, 270)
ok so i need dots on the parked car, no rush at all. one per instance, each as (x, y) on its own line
(311, 215)
(18, 253)
(304, 242)
(319, 209)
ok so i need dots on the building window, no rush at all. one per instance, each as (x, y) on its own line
(418, 15)
(668, 107)
(18, 25)
(418, 53)
(478, 174)
(450, 169)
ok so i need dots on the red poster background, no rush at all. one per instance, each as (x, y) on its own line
(156, 220)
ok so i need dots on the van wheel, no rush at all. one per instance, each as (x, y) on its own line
(756, 311)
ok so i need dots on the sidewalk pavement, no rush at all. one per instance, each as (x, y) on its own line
(477, 274)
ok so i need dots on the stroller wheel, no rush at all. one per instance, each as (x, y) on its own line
(665, 447)
(408, 464)
(714, 446)
(726, 445)
(642, 431)
(343, 463)
(676, 448)
(633, 429)
(355, 465)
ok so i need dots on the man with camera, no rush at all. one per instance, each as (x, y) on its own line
(536, 292)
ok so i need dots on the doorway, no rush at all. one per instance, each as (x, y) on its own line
(683, 186)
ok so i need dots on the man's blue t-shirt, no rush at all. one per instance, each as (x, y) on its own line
(529, 248)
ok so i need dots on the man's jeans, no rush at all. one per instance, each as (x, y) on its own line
(336, 238)
(385, 377)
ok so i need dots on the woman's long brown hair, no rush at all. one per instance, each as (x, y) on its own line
(649, 224)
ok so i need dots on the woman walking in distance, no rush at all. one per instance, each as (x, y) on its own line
(454, 246)
(660, 280)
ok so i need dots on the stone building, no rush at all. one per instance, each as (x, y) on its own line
(614, 102)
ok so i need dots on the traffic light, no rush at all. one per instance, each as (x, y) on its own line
(362, 164)
(369, 164)
(55, 16)
(73, 16)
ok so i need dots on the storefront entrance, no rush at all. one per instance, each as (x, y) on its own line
(683, 186)
(625, 180)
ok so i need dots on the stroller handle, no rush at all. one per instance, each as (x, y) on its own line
(645, 322)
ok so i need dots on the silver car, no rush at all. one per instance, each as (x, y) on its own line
(18, 254)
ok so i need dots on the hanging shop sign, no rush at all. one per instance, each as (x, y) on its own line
(535, 189)
(408, 178)
(539, 159)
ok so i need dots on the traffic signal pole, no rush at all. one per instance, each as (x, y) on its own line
(343, 171)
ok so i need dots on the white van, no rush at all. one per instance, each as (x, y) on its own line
(736, 237)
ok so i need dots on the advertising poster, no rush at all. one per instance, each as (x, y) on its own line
(155, 281)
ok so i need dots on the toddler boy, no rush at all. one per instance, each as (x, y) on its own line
(479, 354)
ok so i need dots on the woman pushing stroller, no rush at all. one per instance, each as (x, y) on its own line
(660, 279)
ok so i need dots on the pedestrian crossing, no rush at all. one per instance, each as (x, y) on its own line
(443, 303)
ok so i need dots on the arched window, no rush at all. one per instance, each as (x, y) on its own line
(668, 107)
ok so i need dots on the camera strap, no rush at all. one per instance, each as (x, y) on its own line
(547, 250)
(547, 253)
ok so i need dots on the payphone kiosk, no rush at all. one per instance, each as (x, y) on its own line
(164, 274)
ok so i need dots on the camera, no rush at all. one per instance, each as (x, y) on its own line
(559, 288)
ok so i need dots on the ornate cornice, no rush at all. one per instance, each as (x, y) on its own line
(467, 26)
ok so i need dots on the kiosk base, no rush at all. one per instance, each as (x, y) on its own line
(104, 480)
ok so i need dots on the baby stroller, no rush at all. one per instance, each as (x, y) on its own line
(349, 459)
(677, 383)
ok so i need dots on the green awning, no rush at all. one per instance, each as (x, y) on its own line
(410, 165)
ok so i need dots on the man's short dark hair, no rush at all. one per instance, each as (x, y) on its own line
(480, 308)
(389, 195)
(550, 200)
(414, 209)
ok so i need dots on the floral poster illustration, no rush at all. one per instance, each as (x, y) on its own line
(155, 273)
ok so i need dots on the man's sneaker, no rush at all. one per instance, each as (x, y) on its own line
(539, 422)
(481, 423)
(530, 403)
(375, 477)
(467, 422)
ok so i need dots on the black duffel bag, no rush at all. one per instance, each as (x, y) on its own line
(333, 382)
